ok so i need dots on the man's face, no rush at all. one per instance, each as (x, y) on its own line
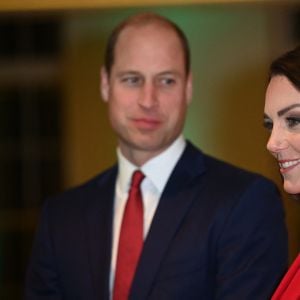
(147, 91)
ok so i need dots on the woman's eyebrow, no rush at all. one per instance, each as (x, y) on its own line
(286, 109)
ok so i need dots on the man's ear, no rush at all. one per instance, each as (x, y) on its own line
(104, 84)
(189, 88)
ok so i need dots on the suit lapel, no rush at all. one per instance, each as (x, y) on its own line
(174, 204)
(98, 220)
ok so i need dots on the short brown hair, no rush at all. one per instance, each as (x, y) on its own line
(143, 19)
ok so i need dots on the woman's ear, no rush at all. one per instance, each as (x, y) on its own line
(104, 84)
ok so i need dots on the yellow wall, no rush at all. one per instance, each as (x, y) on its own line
(14, 5)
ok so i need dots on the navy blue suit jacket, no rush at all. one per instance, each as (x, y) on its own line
(218, 233)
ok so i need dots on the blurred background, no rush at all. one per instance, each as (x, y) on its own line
(54, 132)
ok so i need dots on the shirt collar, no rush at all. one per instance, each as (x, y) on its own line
(158, 169)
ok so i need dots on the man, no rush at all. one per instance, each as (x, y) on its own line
(208, 230)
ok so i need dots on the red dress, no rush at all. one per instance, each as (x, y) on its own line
(289, 287)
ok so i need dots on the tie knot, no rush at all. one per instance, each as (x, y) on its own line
(137, 178)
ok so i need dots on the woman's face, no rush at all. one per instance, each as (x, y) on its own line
(282, 119)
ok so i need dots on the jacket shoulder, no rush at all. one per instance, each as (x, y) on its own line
(82, 194)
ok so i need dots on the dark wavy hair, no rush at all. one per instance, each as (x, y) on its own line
(139, 20)
(288, 65)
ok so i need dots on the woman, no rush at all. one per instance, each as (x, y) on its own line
(282, 118)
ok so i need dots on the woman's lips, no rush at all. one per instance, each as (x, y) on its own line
(287, 165)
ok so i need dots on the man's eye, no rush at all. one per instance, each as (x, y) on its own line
(268, 124)
(167, 81)
(132, 80)
(292, 122)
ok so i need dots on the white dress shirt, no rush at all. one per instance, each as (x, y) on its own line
(157, 172)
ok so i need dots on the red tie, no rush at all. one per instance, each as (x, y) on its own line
(130, 240)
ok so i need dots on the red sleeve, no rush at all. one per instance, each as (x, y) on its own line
(289, 288)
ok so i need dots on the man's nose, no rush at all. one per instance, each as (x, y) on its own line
(148, 96)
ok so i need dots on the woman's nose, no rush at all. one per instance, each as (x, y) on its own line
(277, 141)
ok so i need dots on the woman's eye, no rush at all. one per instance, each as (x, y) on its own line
(268, 124)
(292, 122)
